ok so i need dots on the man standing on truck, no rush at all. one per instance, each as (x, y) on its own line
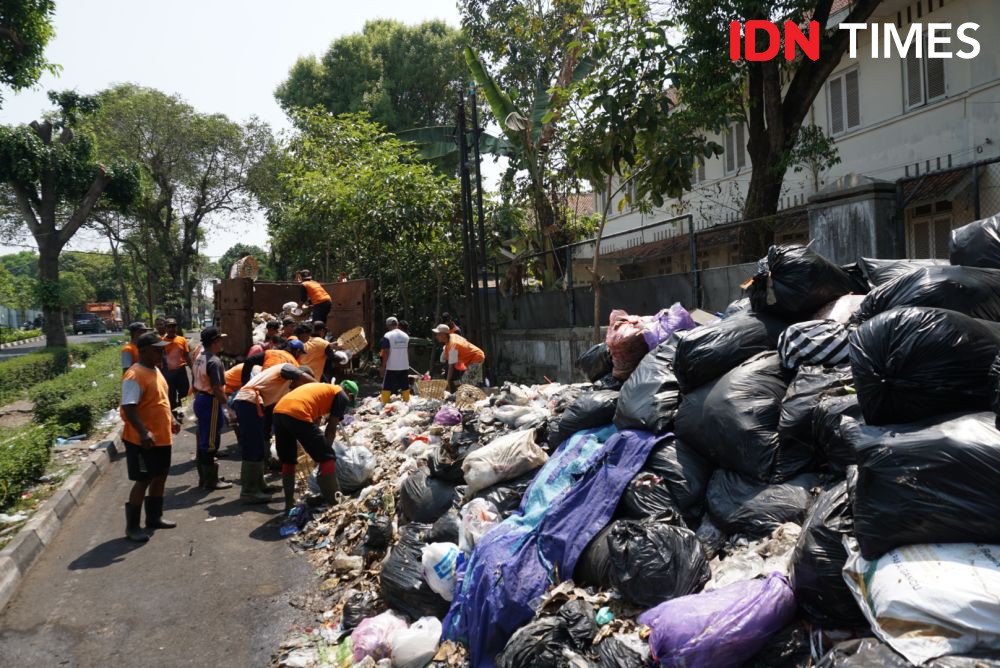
(313, 293)
(394, 350)
(130, 353)
(458, 355)
(177, 360)
(148, 436)
(210, 407)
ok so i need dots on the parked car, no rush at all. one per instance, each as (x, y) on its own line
(89, 323)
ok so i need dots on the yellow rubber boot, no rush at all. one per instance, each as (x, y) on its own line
(385, 396)
(406, 396)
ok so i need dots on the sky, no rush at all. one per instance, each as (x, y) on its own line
(223, 56)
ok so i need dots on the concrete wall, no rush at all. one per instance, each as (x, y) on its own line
(531, 355)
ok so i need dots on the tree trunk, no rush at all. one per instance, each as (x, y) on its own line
(48, 277)
(763, 195)
(120, 276)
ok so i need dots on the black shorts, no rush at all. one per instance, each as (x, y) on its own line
(143, 464)
(396, 381)
(288, 432)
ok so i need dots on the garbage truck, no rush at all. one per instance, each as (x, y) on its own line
(109, 312)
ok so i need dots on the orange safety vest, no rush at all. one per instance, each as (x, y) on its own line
(308, 402)
(467, 353)
(130, 356)
(272, 357)
(153, 407)
(315, 292)
(233, 377)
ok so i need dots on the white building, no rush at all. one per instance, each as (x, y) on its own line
(891, 119)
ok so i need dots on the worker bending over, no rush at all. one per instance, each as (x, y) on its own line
(312, 293)
(395, 361)
(458, 354)
(320, 354)
(210, 407)
(290, 355)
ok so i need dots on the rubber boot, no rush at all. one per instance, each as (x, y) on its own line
(201, 473)
(154, 514)
(329, 487)
(262, 483)
(212, 480)
(288, 485)
(250, 477)
(132, 529)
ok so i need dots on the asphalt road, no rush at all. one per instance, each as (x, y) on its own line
(214, 591)
(17, 351)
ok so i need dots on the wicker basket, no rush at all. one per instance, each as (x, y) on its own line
(304, 466)
(353, 341)
(467, 395)
(432, 389)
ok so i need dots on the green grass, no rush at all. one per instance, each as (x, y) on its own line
(76, 400)
(24, 454)
(18, 374)
(12, 335)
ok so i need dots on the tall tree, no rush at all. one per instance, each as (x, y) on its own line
(773, 97)
(54, 181)
(25, 31)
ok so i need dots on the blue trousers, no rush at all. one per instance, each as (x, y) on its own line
(211, 421)
(252, 436)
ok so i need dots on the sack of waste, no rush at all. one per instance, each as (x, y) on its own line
(933, 481)
(929, 600)
(401, 581)
(520, 417)
(415, 647)
(818, 562)
(595, 363)
(358, 606)
(746, 560)
(912, 363)
(373, 636)
(878, 271)
(841, 309)
(794, 281)
(591, 409)
(439, 562)
(504, 458)
(425, 499)
(810, 385)
(646, 496)
(734, 422)
(828, 431)
(679, 481)
(791, 647)
(651, 396)
(976, 244)
(447, 529)
(444, 466)
(822, 342)
(593, 568)
(506, 496)
(477, 517)
(658, 328)
(355, 467)
(873, 653)
(544, 642)
(708, 352)
(625, 342)
(973, 291)
(721, 628)
(653, 562)
(448, 416)
(740, 506)
(737, 306)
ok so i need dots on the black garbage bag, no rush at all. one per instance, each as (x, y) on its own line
(402, 583)
(933, 481)
(595, 363)
(507, 495)
(592, 409)
(646, 496)
(651, 396)
(879, 271)
(593, 568)
(794, 282)
(873, 653)
(812, 342)
(706, 353)
(859, 281)
(357, 606)
(810, 385)
(818, 562)
(734, 422)
(579, 618)
(683, 475)
(613, 653)
(539, 643)
(652, 562)
(912, 363)
(789, 648)
(828, 433)
(995, 388)
(976, 244)
(379, 533)
(738, 306)
(740, 506)
(443, 465)
(609, 382)
(446, 529)
(425, 499)
(973, 291)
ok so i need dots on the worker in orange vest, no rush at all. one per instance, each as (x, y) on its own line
(458, 354)
(313, 293)
(130, 354)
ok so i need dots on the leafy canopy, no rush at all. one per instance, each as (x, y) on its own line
(25, 31)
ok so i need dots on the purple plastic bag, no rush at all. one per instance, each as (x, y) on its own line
(448, 416)
(720, 628)
(658, 328)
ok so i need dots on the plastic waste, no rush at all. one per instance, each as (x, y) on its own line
(504, 458)
(879, 271)
(814, 342)
(740, 506)
(507, 495)
(297, 518)
(929, 600)
(647, 496)
(651, 396)
(357, 606)
(710, 537)
(658, 328)
(593, 568)
(872, 652)
(794, 281)
(402, 583)
(973, 291)
(373, 636)
(447, 529)
(746, 561)
(652, 562)
(595, 363)
(791, 647)
(840, 310)
(626, 343)
(810, 385)
(425, 499)
(737, 306)
(444, 466)
(614, 653)
(439, 561)
(708, 352)
(912, 363)
(415, 647)
(355, 467)
(933, 481)
(976, 244)
(721, 628)
(448, 416)
(684, 473)
(477, 517)
(539, 643)
(591, 409)
(604, 616)
(828, 431)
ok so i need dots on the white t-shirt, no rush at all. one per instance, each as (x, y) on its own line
(397, 342)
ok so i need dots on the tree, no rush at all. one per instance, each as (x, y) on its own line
(773, 97)
(242, 250)
(25, 31)
(54, 181)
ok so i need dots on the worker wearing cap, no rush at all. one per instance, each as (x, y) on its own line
(394, 350)
(160, 325)
(297, 417)
(319, 355)
(130, 353)
(148, 432)
(458, 354)
(311, 292)
(262, 392)
(177, 361)
(210, 407)
(453, 327)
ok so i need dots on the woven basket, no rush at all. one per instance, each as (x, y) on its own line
(432, 389)
(304, 466)
(467, 395)
(353, 341)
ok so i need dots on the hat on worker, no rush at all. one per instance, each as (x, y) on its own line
(351, 387)
(295, 346)
(442, 329)
(210, 334)
(288, 321)
(392, 321)
(272, 324)
(170, 321)
(137, 327)
(150, 339)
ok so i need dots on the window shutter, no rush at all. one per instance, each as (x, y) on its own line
(836, 106)
(935, 78)
(730, 152)
(942, 235)
(741, 145)
(853, 100)
(914, 82)
(921, 240)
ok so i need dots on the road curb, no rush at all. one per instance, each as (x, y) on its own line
(38, 532)
(15, 344)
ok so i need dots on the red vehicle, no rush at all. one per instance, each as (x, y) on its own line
(109, 312)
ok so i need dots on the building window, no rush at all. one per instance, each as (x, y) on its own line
(929, 231)
(923, 80)
(736, 148)
(844, 102)
(698, 175)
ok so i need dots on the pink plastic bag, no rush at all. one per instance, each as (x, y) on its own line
(373, 636)
(626, 343)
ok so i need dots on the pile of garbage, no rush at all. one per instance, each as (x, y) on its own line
(808, 480)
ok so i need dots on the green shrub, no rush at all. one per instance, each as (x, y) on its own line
(18, 374)
(80, 397)
(13, 335)
(24, 454)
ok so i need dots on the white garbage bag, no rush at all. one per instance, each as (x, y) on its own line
(477, 517)
(355, 466)
(930, 600)
(438, 562)
(505, 458)
(416, 646)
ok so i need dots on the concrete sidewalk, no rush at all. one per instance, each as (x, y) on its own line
(213, 592)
